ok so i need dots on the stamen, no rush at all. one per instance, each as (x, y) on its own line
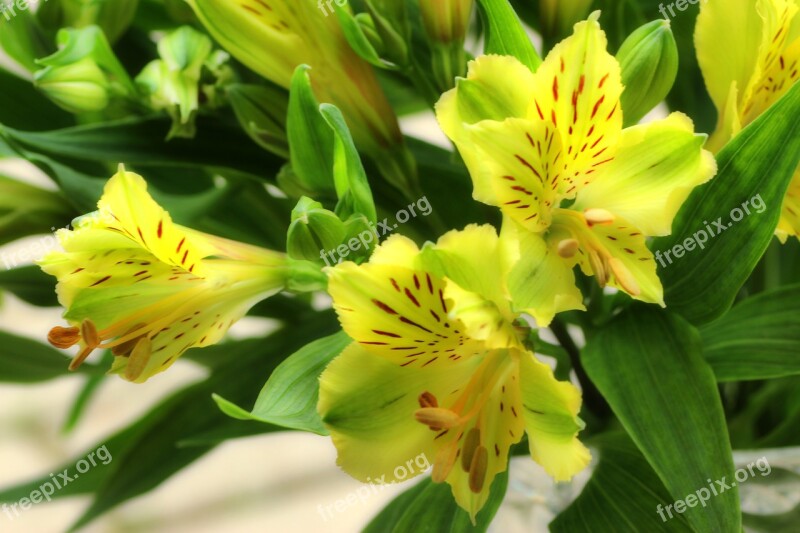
(64, 338)
(598, 267)
(426, 399)
(138, 360)
(624, 277)
(437, 418)
(125, 349)
(568, 248)
(89, 333)
(598, 216)
(471, 444)
(444, 461)
(477, 469)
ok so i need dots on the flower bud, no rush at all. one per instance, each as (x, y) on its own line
(84, 75)
(446, 21)
(261, 111)
(113, 16)
(558, 16)
(649, 61)
(313, 232)
(78, 88)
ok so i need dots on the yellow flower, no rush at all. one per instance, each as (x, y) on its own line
(273, 37)
(749, 52)
(575, 188)
(438, 368)
(148, 289)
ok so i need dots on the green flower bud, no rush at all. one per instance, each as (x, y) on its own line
(649, 60)
(558, 16)
(314, 231)
(84, 75)
(113, 16)
(79, 88)
(446, 21)
(28, 210)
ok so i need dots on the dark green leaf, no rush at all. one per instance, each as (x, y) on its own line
(758, 339)
(429, 507)
(649, 367)
(31, 285)
(623, 495)
(755, 169)
(23, 360)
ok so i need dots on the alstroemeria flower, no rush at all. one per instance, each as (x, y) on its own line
(749, 52)
(273, 37)
(438, 367)
(148, 289)
(574, 187)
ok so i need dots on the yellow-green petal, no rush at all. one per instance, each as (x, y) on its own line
(657, 166)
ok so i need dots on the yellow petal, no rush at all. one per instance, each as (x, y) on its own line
(657, 167)
(578, 90)
(789, 225)
(496, 87)
(550, 410)
(542, 282)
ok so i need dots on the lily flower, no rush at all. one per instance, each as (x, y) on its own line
(549, 150)
(136, 283)
(760, 42)
(274, 37)
(438, 367)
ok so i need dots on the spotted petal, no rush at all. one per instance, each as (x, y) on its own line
(550, 410)
(658, 166)
(789, 224)
(577, 89)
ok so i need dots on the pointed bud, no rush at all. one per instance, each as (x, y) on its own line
(113, 16)
(313, 232)
(649, 61)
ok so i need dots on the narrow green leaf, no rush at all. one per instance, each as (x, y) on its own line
(623, 495)
(648, 365)
(23, 360)
(758, 339)
(429, 507)
(755, 169)
(31, 285)
(310, 139)
(357, 39)
(289, 398)
(352, 187)
(140, 141)
(505, 34)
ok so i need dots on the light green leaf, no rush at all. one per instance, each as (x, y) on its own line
(505, 34)
(289, 398)
(754, 168)
(758, 339)
(310, 139)
(648, 365)
(352, 187)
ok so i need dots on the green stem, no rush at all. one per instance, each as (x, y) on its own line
(592, 397)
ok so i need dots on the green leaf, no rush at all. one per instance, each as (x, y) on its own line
(23, 360)
(289, 398)
(781, 523)
(310, 139)
(31, 285)
(755, 169)
(429, 507)
(139, 141)
(22, 106)
(758, 339)
(22, 38)
(623, 494)
(261, 111)
(352, 187)
(648, 365)
(505, 34)
(357, 39)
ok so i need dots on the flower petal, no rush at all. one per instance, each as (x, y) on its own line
(550, 410)
(578, 90)
(657, 167)
(368, 405)
(496, 88)
(542, 282)
(789, 224)
(399, 313)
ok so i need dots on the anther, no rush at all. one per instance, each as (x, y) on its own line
(596, 216)
(471, 443)
(63, 338)
(426, 399)
(568, 248)
(437, 418)
(477, 469)
(624, 277)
